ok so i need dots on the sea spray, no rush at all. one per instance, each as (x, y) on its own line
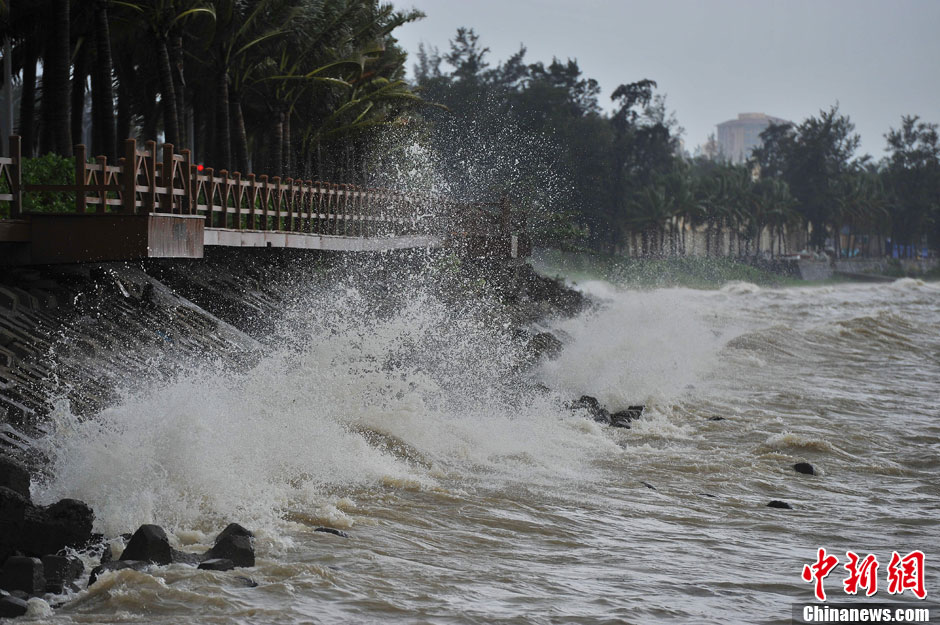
(347, 399)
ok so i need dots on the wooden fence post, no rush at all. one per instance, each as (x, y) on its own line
(166, 179)
(103, 184)
(224, 196)
(150, 163)
(265, 194)
(16, 177)
(239, 194)
(81, 201)
(186, 204)
(252, 198)
(129, 177)
(210, 194)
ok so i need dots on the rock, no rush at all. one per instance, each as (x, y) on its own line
(13, 508)
(776, 503)
(116, 565)
(543, 344)
(330, 530)
(233, 529)
(12, 505)
(591, 405)
(60, 570)
(622, 418)
(14, 476)
(234, 547)
(217, 564)
(805, 468)
(66, 523)
(11, 607)
(22, 573)
(149, 544)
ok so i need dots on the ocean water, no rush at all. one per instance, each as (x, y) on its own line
(473, 495)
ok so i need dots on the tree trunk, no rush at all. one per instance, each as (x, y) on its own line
(175, 51)
(56, 134)
(223, 139)
(277, 145)
(286, 153)
(102, 93)
(79, 81)
(240, 137)
(123, 130)
(27, 128)
(167, 94)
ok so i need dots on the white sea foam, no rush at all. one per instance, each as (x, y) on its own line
(639, 346)
(401, 402)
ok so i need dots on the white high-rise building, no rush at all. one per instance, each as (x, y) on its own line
(737, 137)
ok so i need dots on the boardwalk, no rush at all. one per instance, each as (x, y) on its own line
(150, 207)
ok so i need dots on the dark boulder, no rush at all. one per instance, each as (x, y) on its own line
(66, 523)
(14, 475)
(593, 408)
(149, 544)
(233, 529)
(217, 564)
(115, 565)
(543, 344)
(22, 573)
(622, 418)
(234, 547)
(13, 508)
(330, 530)
(11, 607)
(776, 503)
(804, 468)
(60, 571)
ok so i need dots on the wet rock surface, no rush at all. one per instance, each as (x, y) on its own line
(217, 564)
(25, 574)
(619, 419)
(14, 475)
(150, 544)
(10, 606)
(61, 571)
(805, 468)
(116, 565)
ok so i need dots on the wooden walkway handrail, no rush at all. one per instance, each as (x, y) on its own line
(142, 182)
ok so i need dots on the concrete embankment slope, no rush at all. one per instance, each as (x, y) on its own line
(78, 332)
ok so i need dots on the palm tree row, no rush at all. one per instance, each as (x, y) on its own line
(284, 87)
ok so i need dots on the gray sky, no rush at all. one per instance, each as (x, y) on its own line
(715, 59)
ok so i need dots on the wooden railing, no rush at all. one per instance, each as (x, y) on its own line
(143, 183)
(11, 177)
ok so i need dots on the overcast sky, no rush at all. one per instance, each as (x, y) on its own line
(717, 58)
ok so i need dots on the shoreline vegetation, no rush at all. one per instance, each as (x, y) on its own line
(689, 272)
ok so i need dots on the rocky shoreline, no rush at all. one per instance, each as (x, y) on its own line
(77, 333)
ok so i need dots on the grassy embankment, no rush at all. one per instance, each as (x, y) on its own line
(636, 273)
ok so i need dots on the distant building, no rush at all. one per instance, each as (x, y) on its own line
(737, 137)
